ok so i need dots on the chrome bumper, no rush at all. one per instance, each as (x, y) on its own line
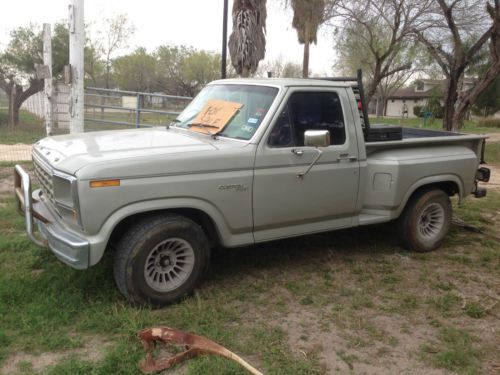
(67, 246)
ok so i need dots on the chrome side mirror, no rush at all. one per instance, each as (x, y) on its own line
(317, 138)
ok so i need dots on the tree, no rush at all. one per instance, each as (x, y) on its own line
(308, 15)
(247, 42)
(18, 65)
(200, 68)
(136, 71)
(377, 36)
(280, 69)
(95, 65)
(488, 102)
(184, 71)
(117, 31)
(454, 35)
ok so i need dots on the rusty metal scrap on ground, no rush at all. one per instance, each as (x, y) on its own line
(195, 345)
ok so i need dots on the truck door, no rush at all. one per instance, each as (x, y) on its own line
(285, 204)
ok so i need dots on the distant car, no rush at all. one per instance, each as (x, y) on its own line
(292, 161)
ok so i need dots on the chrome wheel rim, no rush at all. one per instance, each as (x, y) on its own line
(169, 264)
(431, 221)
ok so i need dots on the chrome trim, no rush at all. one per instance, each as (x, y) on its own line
(38, 161)
(74, 194)
(25, 184)
(67, 247)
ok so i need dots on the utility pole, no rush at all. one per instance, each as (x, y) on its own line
(224, 41)
(76, 60)
(47, 62)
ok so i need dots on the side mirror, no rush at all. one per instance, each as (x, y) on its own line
(317, 138)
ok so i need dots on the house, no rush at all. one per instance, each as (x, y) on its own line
(417, 94)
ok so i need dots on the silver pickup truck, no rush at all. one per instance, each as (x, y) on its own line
(292, 161)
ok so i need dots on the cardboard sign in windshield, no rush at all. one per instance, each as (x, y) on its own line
(214, 116)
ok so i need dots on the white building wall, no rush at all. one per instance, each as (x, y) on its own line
(395, 106)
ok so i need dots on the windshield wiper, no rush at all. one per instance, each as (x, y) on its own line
(204, 127)
(172, 123)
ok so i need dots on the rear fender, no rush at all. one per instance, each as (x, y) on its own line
(432, 181)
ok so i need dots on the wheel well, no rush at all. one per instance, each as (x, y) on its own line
(449, 187)
(198, 216)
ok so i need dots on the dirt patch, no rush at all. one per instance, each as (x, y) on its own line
(6, 187)
(493, 137)
(17, 152)
(7, 181)
(93, 350)
(344, 351)
(494, 182)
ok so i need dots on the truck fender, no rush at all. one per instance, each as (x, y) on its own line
(100, 240)
(431, 180)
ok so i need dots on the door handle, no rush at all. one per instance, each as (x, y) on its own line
(298, 151)
(347, 157)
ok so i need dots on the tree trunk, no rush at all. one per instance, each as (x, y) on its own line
(11, 119)
(305, 62)
(449, 104)
(381, 102)
(14, 116)
(17, 96)
(245, 72)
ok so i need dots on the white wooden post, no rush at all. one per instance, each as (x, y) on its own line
(47, 61)
(76, 60)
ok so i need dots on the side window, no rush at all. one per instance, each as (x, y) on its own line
(309, 111)
(282, 134)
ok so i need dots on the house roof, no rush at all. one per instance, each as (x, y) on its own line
(411, 93)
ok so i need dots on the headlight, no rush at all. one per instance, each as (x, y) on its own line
(66, 196)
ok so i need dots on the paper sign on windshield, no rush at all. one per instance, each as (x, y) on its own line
(214, 116)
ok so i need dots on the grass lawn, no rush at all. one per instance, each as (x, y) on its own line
(29, 130)
(492, 153)
(345, 302)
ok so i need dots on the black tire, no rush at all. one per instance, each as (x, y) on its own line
(142, 244)
(425, 220)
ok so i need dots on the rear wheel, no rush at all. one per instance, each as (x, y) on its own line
(161, 259)
(425, 220)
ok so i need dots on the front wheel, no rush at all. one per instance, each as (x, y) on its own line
(425, 220)
(161, 259)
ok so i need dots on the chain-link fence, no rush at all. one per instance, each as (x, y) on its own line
(104, 110)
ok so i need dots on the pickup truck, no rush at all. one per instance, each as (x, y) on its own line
(292, 161)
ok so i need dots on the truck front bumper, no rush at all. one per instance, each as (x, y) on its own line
(66, 245)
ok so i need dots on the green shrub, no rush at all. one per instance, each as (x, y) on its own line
(489, 122)
(417, 111)
(438, 112)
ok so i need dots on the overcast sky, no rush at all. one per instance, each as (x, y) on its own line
(197, 23)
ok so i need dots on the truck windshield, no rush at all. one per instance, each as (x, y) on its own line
(255, 101)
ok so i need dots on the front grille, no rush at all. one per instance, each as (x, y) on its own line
(44, 177)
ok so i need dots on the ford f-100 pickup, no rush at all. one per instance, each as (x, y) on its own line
(289, 157)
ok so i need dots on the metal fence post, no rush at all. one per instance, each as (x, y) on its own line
(138, 112)
(76, 60)
(47, 60)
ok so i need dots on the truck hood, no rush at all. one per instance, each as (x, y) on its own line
(69, 153)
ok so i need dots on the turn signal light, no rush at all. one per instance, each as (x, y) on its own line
(104, 183)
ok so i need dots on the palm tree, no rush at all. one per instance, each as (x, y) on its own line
(247, 43)
(308, 15)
